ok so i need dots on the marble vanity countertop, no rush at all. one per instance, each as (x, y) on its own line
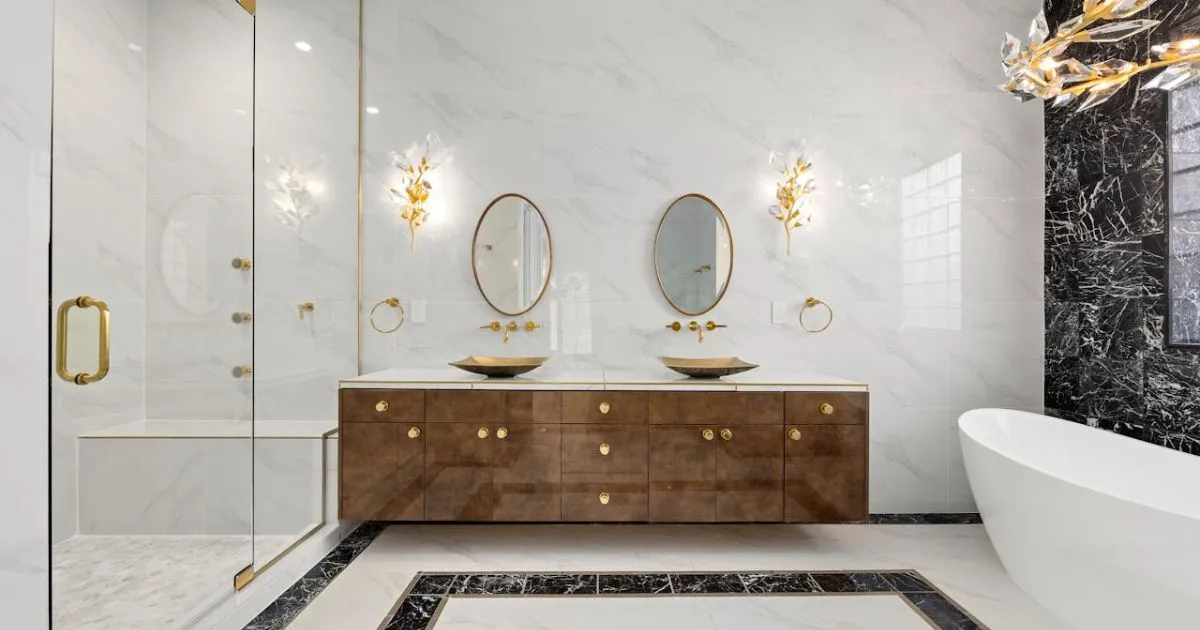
(585, 378)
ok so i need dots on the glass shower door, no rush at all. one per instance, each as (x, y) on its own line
(152, 289)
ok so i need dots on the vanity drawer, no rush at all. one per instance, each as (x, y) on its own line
(595, 448)
(605, 407)
(716, 408)
(382, 405)
(826, 408)
(493, 406)
(584, 495)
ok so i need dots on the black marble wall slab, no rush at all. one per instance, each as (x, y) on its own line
(1107, 197)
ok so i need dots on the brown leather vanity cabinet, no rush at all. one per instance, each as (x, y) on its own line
(603, 456)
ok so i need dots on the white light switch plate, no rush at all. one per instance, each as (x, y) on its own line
(780, 313)
(417, 311)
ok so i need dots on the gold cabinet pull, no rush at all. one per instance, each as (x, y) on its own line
(726, 434)
(826, 409)
(82, 378)
(382, 406)
(501, 433)
(605, 408)
(604, 498)
(414, 433)
(794, 435)
(482, 432)
(605, 449)
(707, 434)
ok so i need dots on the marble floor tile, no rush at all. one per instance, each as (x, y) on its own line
(874, 612)
(957, 559)
(147, 582)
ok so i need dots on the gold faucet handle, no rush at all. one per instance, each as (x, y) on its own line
(530, 326)
(675, 326)
(693, 326)
(711, 325)
(511, 326)
(494, 327)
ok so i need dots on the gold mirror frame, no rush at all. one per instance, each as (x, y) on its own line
(728, 274)
(474, 254)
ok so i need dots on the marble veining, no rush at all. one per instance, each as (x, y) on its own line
(427, 595)
(1109, 361)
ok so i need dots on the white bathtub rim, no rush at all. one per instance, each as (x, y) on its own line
(978, 416)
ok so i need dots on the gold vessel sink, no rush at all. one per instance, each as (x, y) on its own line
(499, 367)
(708, 368)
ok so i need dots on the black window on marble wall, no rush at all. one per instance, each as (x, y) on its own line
(1183, 219)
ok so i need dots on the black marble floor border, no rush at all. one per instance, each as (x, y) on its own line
(422, 602)
(966, 518)
(287, 606)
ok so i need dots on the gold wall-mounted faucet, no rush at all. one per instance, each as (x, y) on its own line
(305, 307)
(676, 326)
(510, 327)
(695, 327)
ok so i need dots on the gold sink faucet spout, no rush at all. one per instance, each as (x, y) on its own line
(498, 327)
(698, 329)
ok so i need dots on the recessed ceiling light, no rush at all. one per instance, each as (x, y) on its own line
(305, 46)
(371, 109)
(134, 47)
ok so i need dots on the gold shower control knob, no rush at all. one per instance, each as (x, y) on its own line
(605, 449)
(826, 409)
(501, 433)
(605, 408)
(482, 432)
(604, 498)
(794, 435)
(726, 434)
(241, 263)
(707, 434)
(242, 317)
(242, 371)
(414, 433)
(382, 406)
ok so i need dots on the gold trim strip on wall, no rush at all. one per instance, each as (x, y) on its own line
(62, 352)
(361, 105)
(248, 5)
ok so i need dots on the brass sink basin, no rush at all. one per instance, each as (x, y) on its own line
(499, 367)
(708, 368)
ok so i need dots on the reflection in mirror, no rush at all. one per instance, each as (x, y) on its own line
(511, 255)
(693, 254)
(1183, 219)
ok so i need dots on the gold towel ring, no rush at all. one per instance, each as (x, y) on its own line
(394, 303)
(811, 303)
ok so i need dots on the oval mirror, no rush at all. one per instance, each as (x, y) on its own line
(511, 254)
(693, 254)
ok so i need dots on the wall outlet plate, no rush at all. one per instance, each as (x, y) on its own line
(780, 313)
(416, 310)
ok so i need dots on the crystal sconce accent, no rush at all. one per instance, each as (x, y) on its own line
(415, 165)
(792, 191)
(1037, 71)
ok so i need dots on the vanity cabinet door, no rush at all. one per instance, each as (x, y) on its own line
(750, 474)
(826, 474)
(527, 473)
(382, 472)
(458, 472)
(683, 470)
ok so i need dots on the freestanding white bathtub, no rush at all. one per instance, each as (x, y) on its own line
(1101, 529)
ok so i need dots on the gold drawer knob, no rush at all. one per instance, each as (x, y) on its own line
(382, 406)
(794, 434)
(707, 434)
(726, 434)
(826, 409)
(604, 498)
(414, 433)
(482, 432)
(605, 449)
(501, 433)
(605, 408)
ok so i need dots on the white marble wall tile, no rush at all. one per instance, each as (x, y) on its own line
(141, 486)
(228, 486)
(26, 52)
(287, 486)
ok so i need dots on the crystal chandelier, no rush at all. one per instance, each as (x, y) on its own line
(1038, 69)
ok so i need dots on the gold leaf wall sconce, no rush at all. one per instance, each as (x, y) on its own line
(792, 191)
(415, 165)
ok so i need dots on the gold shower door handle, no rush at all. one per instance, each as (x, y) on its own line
(82, 378)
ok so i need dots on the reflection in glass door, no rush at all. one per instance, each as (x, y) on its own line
(153, 288)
